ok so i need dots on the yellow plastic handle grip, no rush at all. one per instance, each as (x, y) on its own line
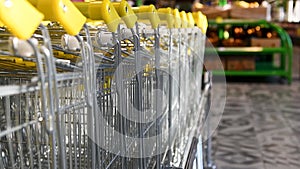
(33, 2)
(197, 16)
(125, 11)
(1, 24)
(104, 10)
(205, 23)
(177, 19)
(83, 7)
(191, 21)
(184, 20)
(64, 12)
(166, 14)
(20, 17)
(201, 21)
(148, 12)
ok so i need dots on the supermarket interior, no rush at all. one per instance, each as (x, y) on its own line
(150, 84)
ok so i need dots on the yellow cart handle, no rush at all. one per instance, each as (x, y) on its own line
(62, 11)
(166, 14)
(125, 11)
(21, 18)
(191, 21)
(184, 20)
(83, 7)
(101, 10)
(148, 12)
(177, 19)
(201, 21)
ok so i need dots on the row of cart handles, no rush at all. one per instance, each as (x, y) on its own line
(23, 17)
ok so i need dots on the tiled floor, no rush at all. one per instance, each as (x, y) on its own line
(260, 127)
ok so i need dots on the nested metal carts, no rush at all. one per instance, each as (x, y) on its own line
(121, 89)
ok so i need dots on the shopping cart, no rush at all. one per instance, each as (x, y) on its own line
(26, 127)
(130, 91)
(116, 88)
(58, 102)
(189, 62)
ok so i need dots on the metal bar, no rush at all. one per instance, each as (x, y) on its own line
(46, 116)
(139, 94)
(54, 96)
(158, 97)
(27, 101)
(169, 154)
(9, 124)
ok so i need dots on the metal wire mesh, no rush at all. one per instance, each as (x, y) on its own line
(143, 82)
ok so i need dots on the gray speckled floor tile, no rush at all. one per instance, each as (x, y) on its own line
(260, 127)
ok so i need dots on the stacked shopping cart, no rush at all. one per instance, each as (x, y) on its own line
(100, 85)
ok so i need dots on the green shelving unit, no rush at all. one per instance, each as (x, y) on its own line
(262, 67)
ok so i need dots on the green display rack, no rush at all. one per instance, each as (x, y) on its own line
(262, 68)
